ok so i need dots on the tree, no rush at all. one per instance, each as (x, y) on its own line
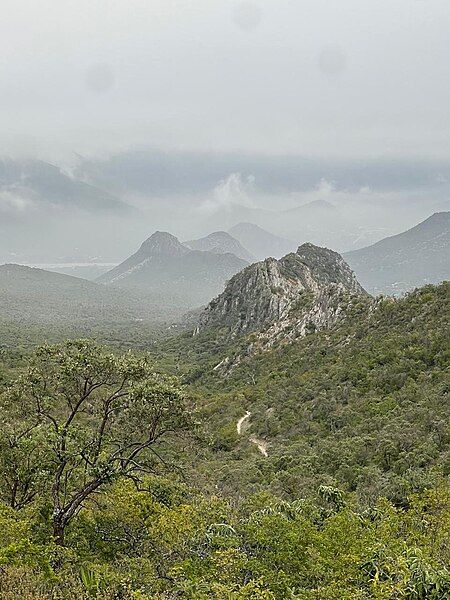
(85, 417)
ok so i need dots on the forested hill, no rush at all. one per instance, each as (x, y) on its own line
(363, 407)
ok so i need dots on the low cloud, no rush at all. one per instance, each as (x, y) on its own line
(236, 189)
(15, 204)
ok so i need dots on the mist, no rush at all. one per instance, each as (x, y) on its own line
(101, 209)
(190, 117)
(304, 77)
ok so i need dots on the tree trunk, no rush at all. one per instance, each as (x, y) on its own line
(59, 527)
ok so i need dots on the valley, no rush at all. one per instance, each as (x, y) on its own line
(339, 430)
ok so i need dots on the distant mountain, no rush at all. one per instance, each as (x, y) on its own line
(166, 266)
(402, 262)
(314, 209)
(38, 183)
(226, 216)
(319, 221)
(281, 300)
(37, 296)
(46, 214)
(221, 242)
(261, 243)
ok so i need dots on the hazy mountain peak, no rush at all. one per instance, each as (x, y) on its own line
(401, 262)
(166, 266)
(319, 206)
(163, 243)
(221, 242)
(260, 242)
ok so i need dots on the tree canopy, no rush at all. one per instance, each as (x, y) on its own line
(81, 417)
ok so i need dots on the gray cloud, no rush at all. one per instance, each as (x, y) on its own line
(309, 77)
(99, 78)
(332, 60)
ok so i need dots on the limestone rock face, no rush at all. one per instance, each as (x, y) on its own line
(280, 300)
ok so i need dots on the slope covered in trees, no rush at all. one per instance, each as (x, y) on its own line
(363, 407)
(351, 501)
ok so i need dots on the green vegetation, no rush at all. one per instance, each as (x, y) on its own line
(351, 503)
(363, 408)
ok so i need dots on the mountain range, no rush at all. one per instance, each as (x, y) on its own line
(101, 209)
(166, 278)
(164, 264)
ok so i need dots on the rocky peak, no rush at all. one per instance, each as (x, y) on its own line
(162, 243)
(280, 300)
(327, 266)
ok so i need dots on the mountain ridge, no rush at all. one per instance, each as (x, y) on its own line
(221, 242)
(35, 295)
(413, 258)
(260, 242)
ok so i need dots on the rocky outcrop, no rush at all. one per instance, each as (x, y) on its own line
(280, 300)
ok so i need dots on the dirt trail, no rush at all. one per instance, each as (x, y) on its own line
(260, 444)
(242, 421)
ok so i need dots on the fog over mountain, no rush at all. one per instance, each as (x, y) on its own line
(99, 210)
(195, 117)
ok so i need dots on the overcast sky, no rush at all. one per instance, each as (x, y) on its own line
(352, 78)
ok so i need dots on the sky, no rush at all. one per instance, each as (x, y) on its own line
(335, 78)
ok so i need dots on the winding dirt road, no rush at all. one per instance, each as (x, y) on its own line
(241, 421)
(260, 444)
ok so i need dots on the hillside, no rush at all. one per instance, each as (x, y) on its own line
(164, 266)
(49, 216)
(221, 242)
(362, 407)
(315, 466)
(38, 183)
(411, 259)
(37, 296)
